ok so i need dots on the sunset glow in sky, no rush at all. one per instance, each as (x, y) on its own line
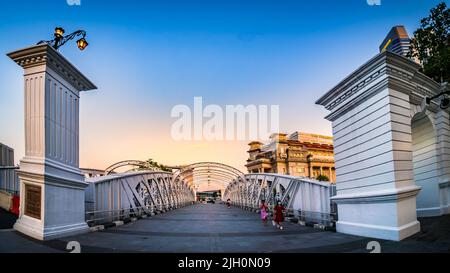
(148, 56)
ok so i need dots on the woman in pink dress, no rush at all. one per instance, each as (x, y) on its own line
(279, 216)
(263, 209)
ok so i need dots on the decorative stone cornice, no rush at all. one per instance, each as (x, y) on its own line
(385, 69)
(57, 181)
(256, 162)
(357, 86)
(381, 84)
(46, 55)
(377, 196)
(352, 82)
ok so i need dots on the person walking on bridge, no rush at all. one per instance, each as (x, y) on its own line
(278, 213)
(263, 209)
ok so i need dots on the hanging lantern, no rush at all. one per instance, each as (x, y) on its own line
(59, 32)
(82, 44)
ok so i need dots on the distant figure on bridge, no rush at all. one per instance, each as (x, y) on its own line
(263, 211)
(278, 214)
(228, 203)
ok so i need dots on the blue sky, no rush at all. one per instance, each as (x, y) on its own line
(147, 56)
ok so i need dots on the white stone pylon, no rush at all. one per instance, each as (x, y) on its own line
(52, 187)
(371, 120)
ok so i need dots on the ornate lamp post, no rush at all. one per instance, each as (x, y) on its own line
(60, 39)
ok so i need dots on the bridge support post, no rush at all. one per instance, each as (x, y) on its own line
(51, 184)
(374, 146)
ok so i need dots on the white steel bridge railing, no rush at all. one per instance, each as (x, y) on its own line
(134, 194)
(120, 196)
(304, 198)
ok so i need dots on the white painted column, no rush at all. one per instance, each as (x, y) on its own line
(51, 184)
(370, 114)
(374, 173)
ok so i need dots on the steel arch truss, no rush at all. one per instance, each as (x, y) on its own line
(118, 196)
(112, 197)
(295, 193)
(134, 163)
(206, 172)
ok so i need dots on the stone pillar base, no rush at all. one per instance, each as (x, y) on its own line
(51, 207)
(36, 230)
(380, 232)
(388, 214)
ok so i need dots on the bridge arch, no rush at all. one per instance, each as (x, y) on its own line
(207, 172)
(135, 163)
(131, 194)
(297, 194)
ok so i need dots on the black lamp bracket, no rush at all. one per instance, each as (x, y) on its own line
(60, 41)
(445, 90)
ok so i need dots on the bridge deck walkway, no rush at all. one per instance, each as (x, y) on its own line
(215, 228)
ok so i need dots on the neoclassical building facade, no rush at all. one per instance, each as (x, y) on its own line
(297, 154)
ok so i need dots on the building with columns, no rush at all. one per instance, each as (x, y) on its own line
(297, 154)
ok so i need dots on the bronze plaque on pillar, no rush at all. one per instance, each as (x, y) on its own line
(33, 201)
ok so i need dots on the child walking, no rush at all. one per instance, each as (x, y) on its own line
(263, 209)
(278, 212)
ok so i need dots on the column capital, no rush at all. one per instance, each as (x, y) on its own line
(385, 70)
(39, 55)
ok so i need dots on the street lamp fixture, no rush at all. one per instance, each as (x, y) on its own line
(60, 39)
(59, 32)
(445, 92)
(82, 44)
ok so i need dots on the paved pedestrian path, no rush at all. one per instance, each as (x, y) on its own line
(214, 228)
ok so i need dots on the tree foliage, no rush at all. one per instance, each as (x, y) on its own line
(431, 44)
(322, 177)
(155, 164)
